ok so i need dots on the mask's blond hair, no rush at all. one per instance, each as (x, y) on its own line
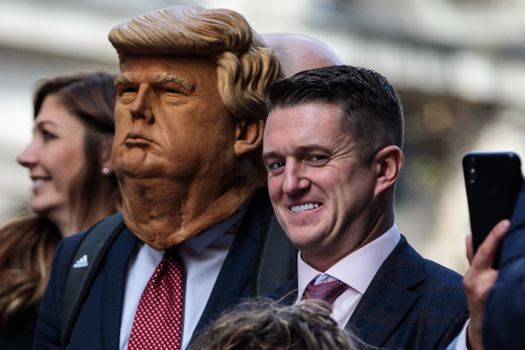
(245, 67)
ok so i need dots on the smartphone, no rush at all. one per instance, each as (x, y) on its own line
(493, 183)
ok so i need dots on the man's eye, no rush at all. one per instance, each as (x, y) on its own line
(316, 159)
(275, 166)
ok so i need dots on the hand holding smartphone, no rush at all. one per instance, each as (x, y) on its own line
(493, 181)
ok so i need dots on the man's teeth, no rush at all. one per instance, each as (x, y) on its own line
(303, 207)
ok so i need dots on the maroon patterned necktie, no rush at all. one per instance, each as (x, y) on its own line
(327, 291)
(158, 320)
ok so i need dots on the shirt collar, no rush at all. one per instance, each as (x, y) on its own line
(358, 268)
(203, 240)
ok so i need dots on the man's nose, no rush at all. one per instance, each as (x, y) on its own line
(294, 179)
(140, 108)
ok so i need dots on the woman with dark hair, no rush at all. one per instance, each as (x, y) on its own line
(69, 160)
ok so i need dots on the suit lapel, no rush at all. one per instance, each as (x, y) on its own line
(114, 282)
(388, 298)
(234, 277)
(276, 259)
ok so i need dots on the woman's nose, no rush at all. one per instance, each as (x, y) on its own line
(27, 158)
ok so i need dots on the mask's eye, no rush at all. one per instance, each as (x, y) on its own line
(172, 90)
(126, 93)
(123, 89)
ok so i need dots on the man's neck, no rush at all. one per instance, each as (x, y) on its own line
(358, 235)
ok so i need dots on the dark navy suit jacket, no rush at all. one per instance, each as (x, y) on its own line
(411, 303)
(504, 326)
(249, 269)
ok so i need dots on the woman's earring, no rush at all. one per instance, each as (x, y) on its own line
(106, 171)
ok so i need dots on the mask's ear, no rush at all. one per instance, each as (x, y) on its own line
(388, 163)
(248, 135)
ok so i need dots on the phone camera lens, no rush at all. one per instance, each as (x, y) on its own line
(472, 175)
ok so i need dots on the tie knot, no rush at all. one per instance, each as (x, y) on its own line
(171, 256)
(172, 252)
(327, 291)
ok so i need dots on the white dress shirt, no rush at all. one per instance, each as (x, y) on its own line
(202, 255)
(356, 269)
(460, 342)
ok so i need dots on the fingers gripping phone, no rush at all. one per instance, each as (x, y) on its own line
(493, 182)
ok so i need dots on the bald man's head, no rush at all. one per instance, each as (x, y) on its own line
(299, 52)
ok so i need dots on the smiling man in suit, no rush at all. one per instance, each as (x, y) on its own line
(333, 151)
(189, 116)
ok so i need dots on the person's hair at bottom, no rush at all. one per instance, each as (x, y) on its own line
(265, 324)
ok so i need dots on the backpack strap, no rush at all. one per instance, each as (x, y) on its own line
(90, 252)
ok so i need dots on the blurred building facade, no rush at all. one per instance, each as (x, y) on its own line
(459, 66)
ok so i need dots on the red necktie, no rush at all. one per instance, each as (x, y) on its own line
(327, 291)
(158, 320)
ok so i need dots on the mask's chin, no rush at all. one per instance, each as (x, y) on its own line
(164, 213)
(173, 227)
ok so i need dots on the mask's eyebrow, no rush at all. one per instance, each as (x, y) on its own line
(123, 78)
(164, 77)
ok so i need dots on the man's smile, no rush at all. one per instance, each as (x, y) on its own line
(304, 207)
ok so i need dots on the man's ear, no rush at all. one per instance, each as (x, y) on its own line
(388, 162)
(248, 135)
